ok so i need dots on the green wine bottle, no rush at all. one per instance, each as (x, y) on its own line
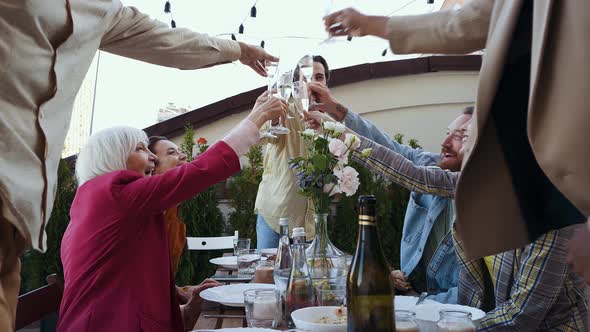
(369, 288)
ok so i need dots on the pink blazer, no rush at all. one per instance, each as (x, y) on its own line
(115, 250)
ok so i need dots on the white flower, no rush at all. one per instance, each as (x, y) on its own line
(366, 152)
(308, 133)
(337, 147)
(332, 189)
(352, 141)
(329, 126)
(348, 180)
(338, 128)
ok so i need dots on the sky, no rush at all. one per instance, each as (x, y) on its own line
(130, 92)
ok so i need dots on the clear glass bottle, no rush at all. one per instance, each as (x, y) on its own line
(369, 289)
(327, 264)
(455, 321)
(299, 292)
(283, 262)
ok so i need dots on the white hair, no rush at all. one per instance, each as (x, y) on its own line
(107, 151)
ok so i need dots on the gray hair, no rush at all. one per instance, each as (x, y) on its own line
(107, 151)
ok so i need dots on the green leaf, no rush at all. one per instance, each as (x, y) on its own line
(296, 160)
(320, 162)
(321, 144)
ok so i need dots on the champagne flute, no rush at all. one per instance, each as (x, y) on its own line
(285, 84)
(306, 70)
(271, 70)
(301, 97)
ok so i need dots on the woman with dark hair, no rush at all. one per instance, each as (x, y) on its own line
(115, 252)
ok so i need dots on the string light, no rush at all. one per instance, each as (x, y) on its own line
(262, 44)
(168, 10)
(241, 29)
(384, 52)
(253, 11)
(430, 2)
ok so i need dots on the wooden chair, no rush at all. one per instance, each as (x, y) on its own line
(211, 243)
(39, 303)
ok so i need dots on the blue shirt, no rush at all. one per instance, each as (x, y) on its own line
(423, 210)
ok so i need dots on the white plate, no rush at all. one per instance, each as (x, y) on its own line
(427, 312)
(228, 262)
(231, 295)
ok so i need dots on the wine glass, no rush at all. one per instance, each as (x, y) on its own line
(301, 97)
(305, 67)
(284, 86)
(272, 68)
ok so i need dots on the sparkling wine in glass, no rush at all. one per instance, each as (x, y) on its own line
(284, 86)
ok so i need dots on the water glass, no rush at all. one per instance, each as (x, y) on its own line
(262, 307)
(247, 261)
(241, 244)
(331, 294)
(455, 321)
(405, 321)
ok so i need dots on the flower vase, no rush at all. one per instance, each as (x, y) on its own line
(327, 264)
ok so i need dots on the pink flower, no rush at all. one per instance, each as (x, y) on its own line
(332, 189)
(348, 180)
(337, 147)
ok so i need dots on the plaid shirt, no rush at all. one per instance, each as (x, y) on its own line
(534, 288)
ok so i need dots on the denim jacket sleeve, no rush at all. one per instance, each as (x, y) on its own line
(365, 128)
(450, 296)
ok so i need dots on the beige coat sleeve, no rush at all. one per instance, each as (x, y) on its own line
(135, 35)
(450, 31)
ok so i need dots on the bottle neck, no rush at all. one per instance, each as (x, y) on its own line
(298, 250)
(321, 225)
(368, 235)
(284, 231)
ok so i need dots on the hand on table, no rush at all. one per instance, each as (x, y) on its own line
(192, 309)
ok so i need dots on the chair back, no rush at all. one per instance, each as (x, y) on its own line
(211, 243)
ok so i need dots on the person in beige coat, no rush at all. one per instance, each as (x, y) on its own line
(526, 172)
(46, 48)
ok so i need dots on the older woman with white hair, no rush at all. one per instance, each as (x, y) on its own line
(115, 250)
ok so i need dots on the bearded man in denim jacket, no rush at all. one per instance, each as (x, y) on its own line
(428, 259)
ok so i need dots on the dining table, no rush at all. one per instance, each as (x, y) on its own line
(215, 316)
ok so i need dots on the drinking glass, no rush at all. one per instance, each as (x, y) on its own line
(331, 294)
(264, 272)
(405, 321)
(301, 96)
(455, 321)
(262, 307)
(284, 87)
(272, 70)
(247, 261)
(306, 67)
(241, 243)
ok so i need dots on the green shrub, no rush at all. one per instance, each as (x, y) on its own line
(242, 190)
(35, 265)
(202, 218)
